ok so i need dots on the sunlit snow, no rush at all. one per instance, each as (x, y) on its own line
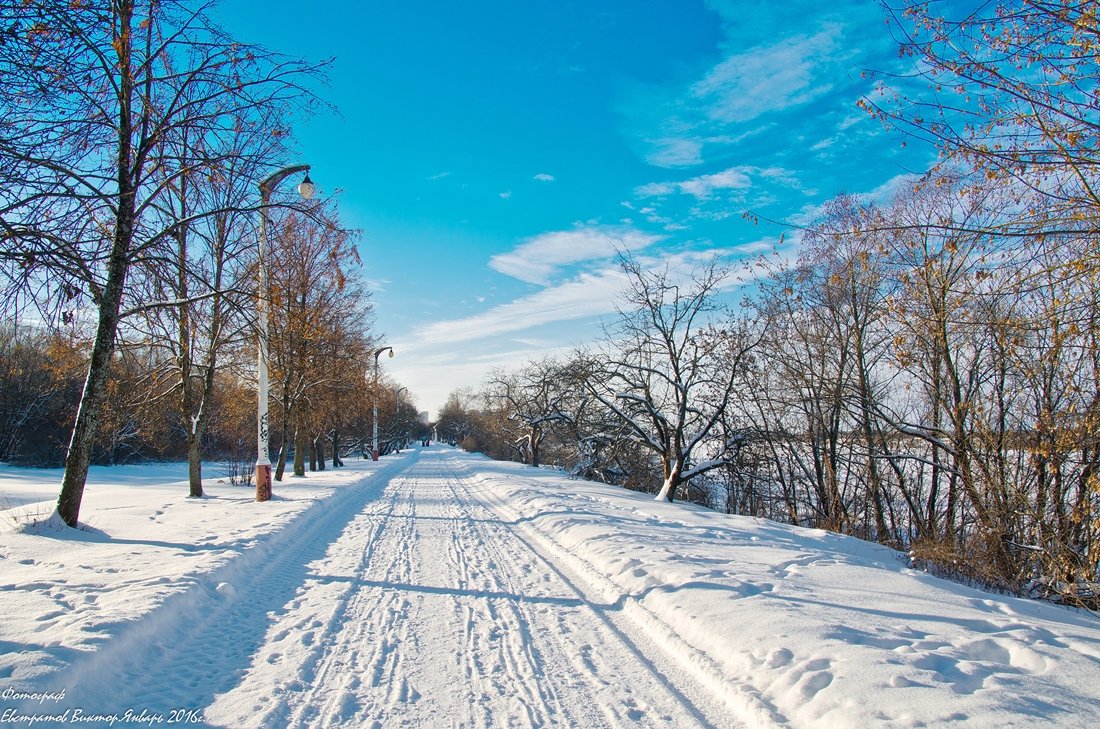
(438, 588)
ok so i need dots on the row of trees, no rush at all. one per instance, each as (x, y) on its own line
(649, 408)
(133, 136)
(899, 381)
(923, 373)
(321, 408)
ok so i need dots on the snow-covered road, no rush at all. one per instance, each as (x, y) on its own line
(401, 601)
(440, 589)
(429, 610)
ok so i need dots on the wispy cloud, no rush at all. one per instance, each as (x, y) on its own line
(419, 367)
(377, 284)
(754, 86)
(705, 187)
(507, 194)
(675, 152)
(543, 177)
(763, 79)
(509, 334)
(701, 187)
(538, 258)
(881, 195)
(439, 176)
(589, 294)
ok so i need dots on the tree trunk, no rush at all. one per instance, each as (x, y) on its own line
(874, 479)
(319, 445)
(183, 333)
(336, 461)
(87, 418)
(301, 445)
(110, 304)
(673, 470)
(194, 464)
(280, 464)
(533, 443)
(284, 433)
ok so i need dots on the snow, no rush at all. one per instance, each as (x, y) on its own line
(438, 588)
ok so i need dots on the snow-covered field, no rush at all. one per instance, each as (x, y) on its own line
(438, 588)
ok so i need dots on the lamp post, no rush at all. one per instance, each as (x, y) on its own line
(263, 462)
(374, 442)
(397, 411)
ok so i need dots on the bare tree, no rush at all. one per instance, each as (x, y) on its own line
(1007, 88)
(534, 399)
(211, 177)
(456, 419)
(670, 369)
(320, 317)
(90, 92)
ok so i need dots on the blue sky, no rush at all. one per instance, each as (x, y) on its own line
(495, 153)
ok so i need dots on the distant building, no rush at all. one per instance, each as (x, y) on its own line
(423, 415)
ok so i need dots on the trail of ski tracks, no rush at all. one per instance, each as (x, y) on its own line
(405, 602)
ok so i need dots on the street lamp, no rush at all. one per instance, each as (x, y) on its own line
(397, 412)
(263, 462)
(374, 443)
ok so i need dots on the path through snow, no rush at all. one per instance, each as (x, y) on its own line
(428, 610)
(441, 589)
(403, 601)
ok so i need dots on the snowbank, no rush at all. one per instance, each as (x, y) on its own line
(788, 626)
(145, 550)
(803, 626)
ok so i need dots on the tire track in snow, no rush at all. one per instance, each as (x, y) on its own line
(198, 642)
(402, 602)
(370, 630)
(534, 652)
(655, 639)
(449, 620)
(607, 663)
(320, 686)
(499, 654)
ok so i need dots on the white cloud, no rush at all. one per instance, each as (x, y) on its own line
(767, 78)
(538, 258)
(543, 177)
(703, 186)
(505, 195)
(675, 152)
(431, 375)
(850, 121)
(590, 294)
(810, 51)
(587, 295)
(881, 195)
(437, 357)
